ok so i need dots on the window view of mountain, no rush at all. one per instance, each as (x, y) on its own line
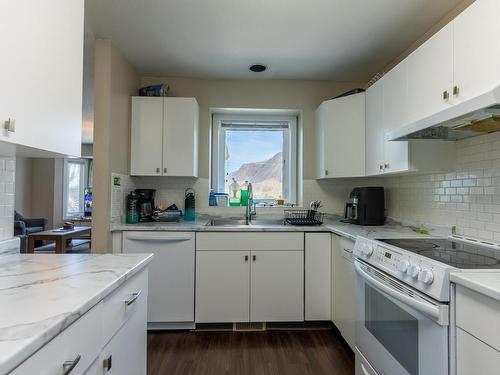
(266, 177)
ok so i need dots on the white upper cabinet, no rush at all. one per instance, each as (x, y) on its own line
(476, 49)
(180, 137)
(41, 73)
(430, 75)
(340, 131)
(375, 129)
(389, 157)
(395, 108)
(164, 137)
(146, 146)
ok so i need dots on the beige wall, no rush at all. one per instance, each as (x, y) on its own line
(282, 94)
(24, 169)
(115, 82)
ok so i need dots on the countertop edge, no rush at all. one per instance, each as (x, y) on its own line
(10, 364)
(466, 279)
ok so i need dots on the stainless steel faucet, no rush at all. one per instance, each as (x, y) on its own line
(249, 213)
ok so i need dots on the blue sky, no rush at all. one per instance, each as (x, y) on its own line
(251, 146)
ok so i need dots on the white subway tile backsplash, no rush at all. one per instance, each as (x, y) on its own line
(7, 178)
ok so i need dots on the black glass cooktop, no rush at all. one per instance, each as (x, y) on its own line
(454, 253)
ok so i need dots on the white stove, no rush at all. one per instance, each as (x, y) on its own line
(403, 295)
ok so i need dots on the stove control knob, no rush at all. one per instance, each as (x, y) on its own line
(368, 249)
(426, 276)
(414, 271)
(403, 266)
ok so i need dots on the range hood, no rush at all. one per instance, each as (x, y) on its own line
(470, 118)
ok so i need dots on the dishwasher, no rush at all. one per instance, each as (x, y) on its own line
(171, 276)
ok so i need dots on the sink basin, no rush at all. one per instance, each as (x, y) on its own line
(237, 222)
(229, 222)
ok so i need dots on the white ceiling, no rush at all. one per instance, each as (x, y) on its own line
(345, 40)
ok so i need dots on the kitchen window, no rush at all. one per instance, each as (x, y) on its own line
(77, 182)
(260, 149)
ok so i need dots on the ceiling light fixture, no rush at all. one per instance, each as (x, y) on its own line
(257, 68)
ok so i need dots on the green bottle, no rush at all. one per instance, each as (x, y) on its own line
(244, 194)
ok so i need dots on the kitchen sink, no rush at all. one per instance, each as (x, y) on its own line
(237, 222)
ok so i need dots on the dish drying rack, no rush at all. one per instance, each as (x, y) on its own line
(304, 217)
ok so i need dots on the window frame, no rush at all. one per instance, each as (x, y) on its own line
(223, 122)
(83, 179)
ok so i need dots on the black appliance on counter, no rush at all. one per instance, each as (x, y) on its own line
(366, 206)
(146, 204)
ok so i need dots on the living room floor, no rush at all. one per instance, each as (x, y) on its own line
(290, 352)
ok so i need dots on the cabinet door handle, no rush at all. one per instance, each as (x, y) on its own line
(69, 366)
(381, 167)
(387, 166)
(446, 95)
(254, 257)
(246, 258)
(456, 90)
(108, 363)
(164, 170)
(134, 297)
(157, 170)
(326, 172)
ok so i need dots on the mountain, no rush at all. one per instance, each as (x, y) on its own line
(266, 177)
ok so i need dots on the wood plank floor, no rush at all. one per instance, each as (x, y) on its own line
(294, 352)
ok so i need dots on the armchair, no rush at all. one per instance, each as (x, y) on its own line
(23, 227)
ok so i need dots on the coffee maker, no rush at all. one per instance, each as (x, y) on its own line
(366, 206)
(146, 204)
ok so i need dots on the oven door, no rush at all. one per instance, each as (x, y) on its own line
(399, 330)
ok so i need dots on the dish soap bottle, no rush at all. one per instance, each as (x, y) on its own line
(244, 194)
(234, 189)
(212, 200)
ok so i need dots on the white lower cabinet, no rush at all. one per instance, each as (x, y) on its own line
(318, 292)
(477, 340)
(222, 286)
(344, 288)
(277, 286)
(125, 353)
(474, 356)
(255, 280)
(86, 343)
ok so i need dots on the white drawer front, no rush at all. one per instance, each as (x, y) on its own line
(470, 306)
(121, 304)
(249, 241)
(80, 340)
(474, 356)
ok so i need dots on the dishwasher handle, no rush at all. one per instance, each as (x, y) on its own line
(167, 237)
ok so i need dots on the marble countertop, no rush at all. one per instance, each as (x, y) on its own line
(42, 294)
(481, 281)
(331, 224)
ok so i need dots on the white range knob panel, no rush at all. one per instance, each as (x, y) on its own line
(415, 270)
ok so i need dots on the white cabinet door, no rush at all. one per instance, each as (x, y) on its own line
(430, 74)
(474, 356)
(222, 286)
(320, 140)
(476, 50)
(126, 352)
(180, 137)
(344, 284)
(344, 132)
(395, 115)
(317, 276)
(171, 274)
(146, 136)
(41, 73)
(375, 128)
(277, 286)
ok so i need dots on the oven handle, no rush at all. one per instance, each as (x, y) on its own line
(427, 308)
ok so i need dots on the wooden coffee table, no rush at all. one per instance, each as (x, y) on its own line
(59, 236)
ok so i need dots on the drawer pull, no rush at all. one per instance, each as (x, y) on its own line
(134, 297)
(68, 366)
(107, 363)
